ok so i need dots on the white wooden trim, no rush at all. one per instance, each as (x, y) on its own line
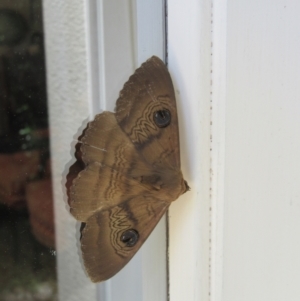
(189, 61)
(150, 29)
(218, 105)
(74, 74)
(93, 49)
(262, 170)
(69, 96)
(144, 278)
(116, 61)
(101, 101)
(151, 41)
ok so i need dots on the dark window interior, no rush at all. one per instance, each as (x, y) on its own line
(27, 233)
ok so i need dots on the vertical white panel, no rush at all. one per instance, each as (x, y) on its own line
(116, 62)
(262, 172)
(189, 62)
(92, 50)
(217, 149)
(150, 29)
(117, 48)
(129, 33)
(68, 85)
(151, 41)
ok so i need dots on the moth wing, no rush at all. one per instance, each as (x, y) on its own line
(103, 141)
(148, 91)
(99, 187)
(103, 251)
(112, 172)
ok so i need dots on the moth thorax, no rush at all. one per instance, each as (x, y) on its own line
(153, 181)
(175, 185)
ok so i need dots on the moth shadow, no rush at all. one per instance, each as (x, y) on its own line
(79, 227)
(75, 165)
(183, 119)
(70, 172)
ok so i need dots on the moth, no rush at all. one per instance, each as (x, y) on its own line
(128, 171)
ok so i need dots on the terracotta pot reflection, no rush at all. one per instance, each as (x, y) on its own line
(16, 170)
(40, 205)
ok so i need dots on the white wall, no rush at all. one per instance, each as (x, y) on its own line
(248, 222)
(189, 62)
(262, 157)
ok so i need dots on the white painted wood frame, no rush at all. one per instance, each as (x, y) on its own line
(261, 241)
(145, 277)
(236, 70)
(252, 241)
(189, 62)
(92, 48)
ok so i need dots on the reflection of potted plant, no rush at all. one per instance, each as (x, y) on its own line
(20, 150)
(24, 143)
(23, 111)
(39, 195)
(25, 185)
(40, 205)
(16, 169)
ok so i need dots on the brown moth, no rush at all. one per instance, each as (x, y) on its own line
(130, 171)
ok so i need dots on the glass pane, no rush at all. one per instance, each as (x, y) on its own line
(27, 236)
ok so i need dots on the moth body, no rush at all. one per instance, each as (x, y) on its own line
(128, 171)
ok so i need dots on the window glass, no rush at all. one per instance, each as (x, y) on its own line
(27, 233)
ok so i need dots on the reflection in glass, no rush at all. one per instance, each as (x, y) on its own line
(27, 237)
